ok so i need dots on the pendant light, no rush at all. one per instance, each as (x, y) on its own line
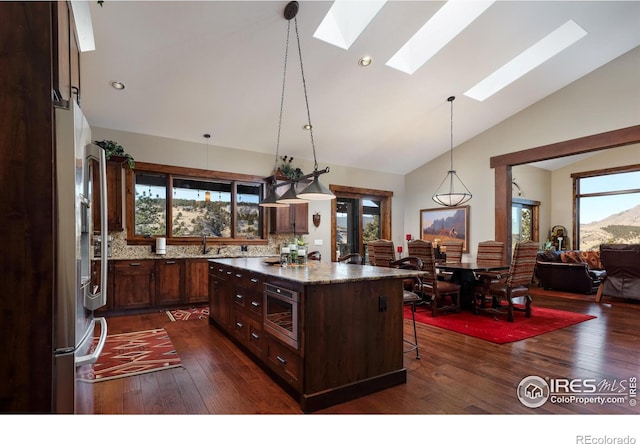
(315, 190)
(207, 194)
(452, 191)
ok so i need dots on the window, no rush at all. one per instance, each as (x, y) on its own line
(182, 204)
(360, 216)
(607, 206)
(524, 220)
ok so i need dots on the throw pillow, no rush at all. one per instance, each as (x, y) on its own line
(592, 258)
(570, 257)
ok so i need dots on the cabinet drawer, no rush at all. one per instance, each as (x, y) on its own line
(134, 265)
(248, 332)
(284, 362)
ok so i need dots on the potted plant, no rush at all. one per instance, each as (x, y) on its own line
(112, 149)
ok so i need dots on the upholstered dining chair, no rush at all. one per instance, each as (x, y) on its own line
(503, 288)
(453, 250)
(442, 296)
(490, 252)
(314, 256)
(419, 248)
(351, 258)
(381, 252)
(410, 297)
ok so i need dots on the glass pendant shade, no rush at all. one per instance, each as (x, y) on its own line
(452, 192)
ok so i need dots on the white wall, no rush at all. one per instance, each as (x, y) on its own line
(605, 100)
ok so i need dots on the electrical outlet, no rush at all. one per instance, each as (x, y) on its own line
(244, 248)
(317, 242)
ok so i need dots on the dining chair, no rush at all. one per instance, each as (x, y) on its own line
(410, 297)
(314, 256)
(419, 248)
(381, 252)
(441, 296)
(503, 288)
(453, 250)
(489, 253)
(351, 258)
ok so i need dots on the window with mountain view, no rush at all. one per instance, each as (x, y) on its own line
(184, 208)
(607, 207)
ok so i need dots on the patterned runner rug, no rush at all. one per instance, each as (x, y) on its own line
(129, 354)
(187, 314)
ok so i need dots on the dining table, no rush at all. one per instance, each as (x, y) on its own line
(464, 274)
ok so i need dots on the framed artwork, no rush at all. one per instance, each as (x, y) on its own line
(440, 224)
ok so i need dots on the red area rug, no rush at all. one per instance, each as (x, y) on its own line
(187, 314)
(129, 354)
(486, 327)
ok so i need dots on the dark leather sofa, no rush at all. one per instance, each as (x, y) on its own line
(572, 271)
(622, 262)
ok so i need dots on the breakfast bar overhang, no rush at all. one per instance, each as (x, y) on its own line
(326, 332)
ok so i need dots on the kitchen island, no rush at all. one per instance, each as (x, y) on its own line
(326, 332)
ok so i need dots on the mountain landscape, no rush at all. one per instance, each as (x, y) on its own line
(623, 227)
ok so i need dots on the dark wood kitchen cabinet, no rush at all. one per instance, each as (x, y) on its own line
(134, 284)
(291, 219)
(169, 281)
(114, 196)
(219, 297)
(196, 283)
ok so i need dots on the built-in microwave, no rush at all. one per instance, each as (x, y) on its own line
(281, 313)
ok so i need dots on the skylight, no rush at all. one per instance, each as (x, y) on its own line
(549, 46)
(346, 20)
(434, 35)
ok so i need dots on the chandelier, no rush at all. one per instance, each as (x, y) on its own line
(452, 191)
(315, 190)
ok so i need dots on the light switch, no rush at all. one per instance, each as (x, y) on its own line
(317, 242)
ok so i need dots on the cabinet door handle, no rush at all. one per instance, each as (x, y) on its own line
(239, 297)
(229, 273)
(238, 275)
(254, 280)
(134, 264)
(255, 336)
(255, 304)
(281, 359)
(170, 262)
(239, 324)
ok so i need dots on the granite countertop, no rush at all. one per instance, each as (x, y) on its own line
(317, 273)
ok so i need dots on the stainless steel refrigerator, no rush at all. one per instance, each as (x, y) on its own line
(80, 169)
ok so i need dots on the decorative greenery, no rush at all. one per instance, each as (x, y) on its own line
(288, 170)
(112, 148)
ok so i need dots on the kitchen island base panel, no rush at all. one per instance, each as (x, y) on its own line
(345, 335)
(317, 401)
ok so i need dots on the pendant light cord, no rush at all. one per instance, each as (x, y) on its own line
(284, 81)
(306, 98)
(451, 99)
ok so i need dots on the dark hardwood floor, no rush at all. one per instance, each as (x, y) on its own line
(456, 375)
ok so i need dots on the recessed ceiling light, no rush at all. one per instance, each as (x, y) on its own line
(434, 35)
(306, 127)
(534, 56)
(346, 20)
(117, 85)
(365, 61)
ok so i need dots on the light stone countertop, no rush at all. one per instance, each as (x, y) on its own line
(317, 273)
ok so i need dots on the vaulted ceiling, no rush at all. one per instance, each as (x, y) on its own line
(191, 68)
